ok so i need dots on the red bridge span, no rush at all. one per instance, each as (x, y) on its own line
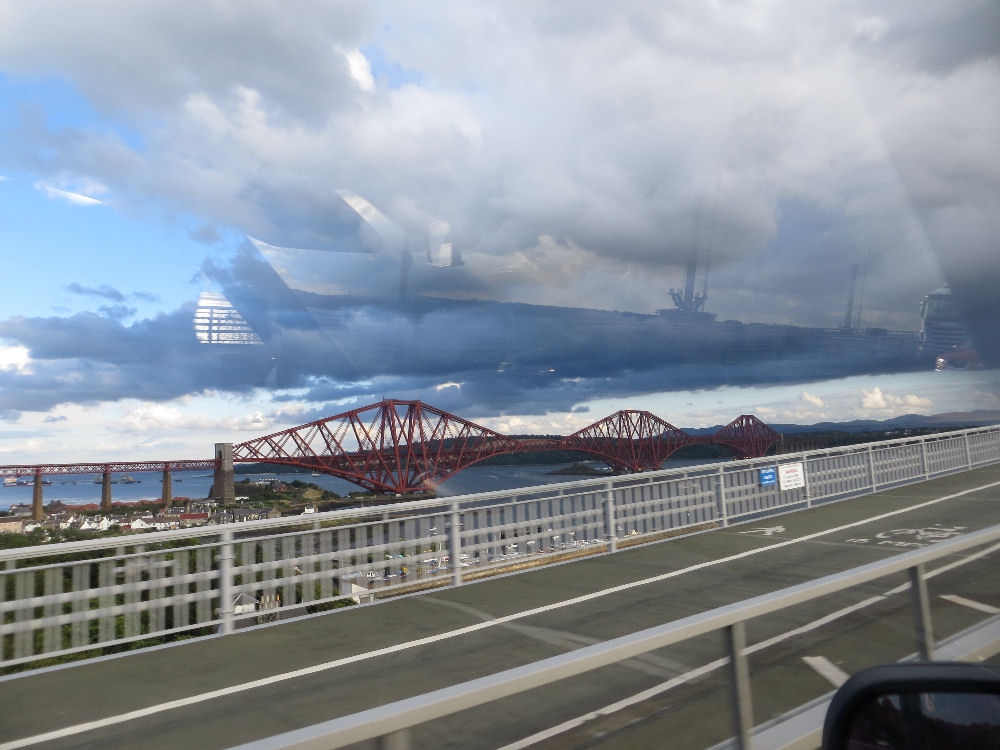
(409, 446)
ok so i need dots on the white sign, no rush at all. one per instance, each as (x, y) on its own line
(791, 477)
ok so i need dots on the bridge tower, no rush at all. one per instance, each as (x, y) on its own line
(223, 487)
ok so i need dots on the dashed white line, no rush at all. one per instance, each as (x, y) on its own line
(285, 676)
(719, 663)
(826, 668)
(971, 604)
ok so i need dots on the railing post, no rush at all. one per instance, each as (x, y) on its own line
(968, 451)
(871, 467)
(805, 482)
(921, 613)
(226, 581)
(720, 497)
(609, 518)
(740, 674)
(399, 740)
(455, 545)
(923, 459)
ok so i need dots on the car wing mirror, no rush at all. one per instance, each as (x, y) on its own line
(916, 706)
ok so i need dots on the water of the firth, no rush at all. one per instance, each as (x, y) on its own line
(86, 488)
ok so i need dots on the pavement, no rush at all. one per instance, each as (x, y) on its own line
(223, 691)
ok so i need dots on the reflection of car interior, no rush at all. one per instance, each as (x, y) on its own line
(918, 706)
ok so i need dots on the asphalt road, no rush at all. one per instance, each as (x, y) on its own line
(223, 691)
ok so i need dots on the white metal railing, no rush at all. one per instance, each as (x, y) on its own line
(81, 597)
(392, 721)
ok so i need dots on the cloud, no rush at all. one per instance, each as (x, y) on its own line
(117, 312)
(876, 400)
(152, 418)
(77, 199)
(14, 358)
(208, 235)
(813, 400)
(105, 291)
(70, 197)
(678, 129)
(578, 157)
(466, 356)
(360, 69)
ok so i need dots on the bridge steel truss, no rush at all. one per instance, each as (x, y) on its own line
(391, 446)
(408, 446)
(78, 596)
(26, 470)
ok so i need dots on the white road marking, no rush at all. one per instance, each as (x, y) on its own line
(317, 668)
(971, 604)
(826, 668)
(719, 663)
(765, 530)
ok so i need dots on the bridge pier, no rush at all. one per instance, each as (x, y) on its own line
(167, 494)
(223, 487)
(106, 492)
(37, 514)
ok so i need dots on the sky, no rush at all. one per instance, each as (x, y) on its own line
(487, 205)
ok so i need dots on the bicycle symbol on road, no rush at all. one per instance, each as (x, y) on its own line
(911, 538)
(765, 530)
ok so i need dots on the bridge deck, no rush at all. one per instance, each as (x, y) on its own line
(224, 691)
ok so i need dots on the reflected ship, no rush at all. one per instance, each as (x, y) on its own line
(363, 304)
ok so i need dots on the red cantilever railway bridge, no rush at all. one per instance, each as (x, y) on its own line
(407, 446)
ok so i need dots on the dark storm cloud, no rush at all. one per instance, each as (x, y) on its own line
(117, 312)
(291, 56)
(941, 37)
(88, 358)
(942, 135)
(205, 234)
(505, 357)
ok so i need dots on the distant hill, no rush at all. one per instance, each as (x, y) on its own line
(948, 421)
